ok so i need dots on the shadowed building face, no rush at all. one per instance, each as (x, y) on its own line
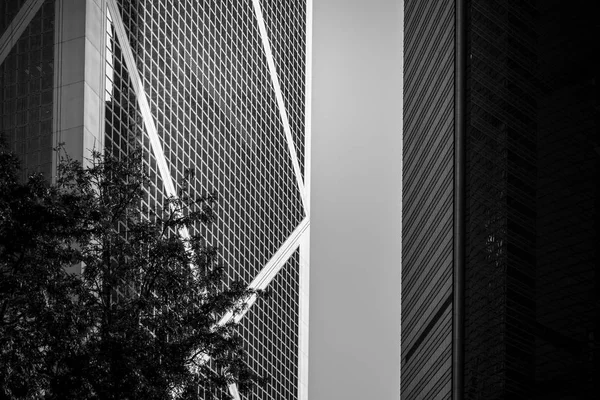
(500, 219)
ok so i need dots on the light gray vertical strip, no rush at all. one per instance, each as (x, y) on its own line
(79, 78)
(355, 209)
(102, 85)
(56, 104)
(459, 201)
(308, 104)
(304, 287)
(401, 111)
(17, 26)
(81, 72)
(303, 318)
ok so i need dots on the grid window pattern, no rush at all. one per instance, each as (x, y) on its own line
(124, 127)
(206, 78)
(209, 89)
(271, 330)
(501, 173)
(286, 27)
(123, 120)
(8, 11)
(26, 92)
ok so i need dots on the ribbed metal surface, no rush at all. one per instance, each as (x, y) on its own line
(427, 199)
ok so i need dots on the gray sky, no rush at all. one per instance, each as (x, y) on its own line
(356, 203)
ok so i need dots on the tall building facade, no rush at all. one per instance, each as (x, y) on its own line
(501, 198)
(218, 88)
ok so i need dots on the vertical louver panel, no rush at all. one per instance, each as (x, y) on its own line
(427, 199)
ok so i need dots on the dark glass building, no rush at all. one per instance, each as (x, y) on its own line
(217, 87)
(501, 190)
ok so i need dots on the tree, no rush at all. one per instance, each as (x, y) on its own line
(101, 298)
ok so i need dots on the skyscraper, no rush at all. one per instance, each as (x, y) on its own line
(219, 88)
(500, 205)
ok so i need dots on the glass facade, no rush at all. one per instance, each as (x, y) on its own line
(286, 25)
(206, 78)
(271, 331)
(532, 221)
(500, 200)
(532, 271)
(204, 72)
(208, 85)
(26, 90)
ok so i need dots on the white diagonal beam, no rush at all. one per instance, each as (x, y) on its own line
(304, 283)
(140, 93)
(136, 83)
(267, 274)
(264, 278)
(281, 104)
(270, 270)
(20, 22)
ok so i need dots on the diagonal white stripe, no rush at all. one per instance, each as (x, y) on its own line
(270, 270)
(267, 274)
(17, 26)
(282, 110)
(145, 110)
(136, 83)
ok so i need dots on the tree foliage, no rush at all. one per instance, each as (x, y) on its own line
(101, 298)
